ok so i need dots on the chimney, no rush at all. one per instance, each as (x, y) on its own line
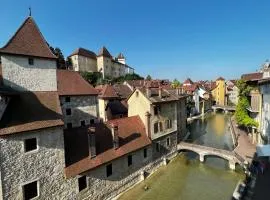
(115, 136)
(92, 142)
(147, 124)
(160, 92)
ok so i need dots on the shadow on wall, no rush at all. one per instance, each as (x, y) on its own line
(32, 107)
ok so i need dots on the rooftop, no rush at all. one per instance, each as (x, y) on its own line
(72, 83)
(28, 41)
(84, 52)
(132, 137)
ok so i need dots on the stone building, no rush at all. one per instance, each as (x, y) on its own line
(163, 118)
(78, 99)
(87, 61)
(232, 92)
(112, 101)
(31, 126)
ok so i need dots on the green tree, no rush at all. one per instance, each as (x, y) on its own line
(94, 78)
(241, 113)
(148, 78)
(176, 83)
(60, 61)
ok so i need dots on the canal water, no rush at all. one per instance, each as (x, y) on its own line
(185, 178)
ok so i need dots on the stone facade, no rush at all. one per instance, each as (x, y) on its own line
(111, 68)
(83, 108)
(83, 64)
(18, 74)
(3, 104)
(44, 165)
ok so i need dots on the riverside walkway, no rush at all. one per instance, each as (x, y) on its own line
(232, 157)
(224, 108)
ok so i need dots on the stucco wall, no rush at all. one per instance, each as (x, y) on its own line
(46, 165)
(17, 73)
(84, 64)
(168, 111)
(82, 108)
(138, 104)
(101, 107)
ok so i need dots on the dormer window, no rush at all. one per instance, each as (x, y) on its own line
(31, 61)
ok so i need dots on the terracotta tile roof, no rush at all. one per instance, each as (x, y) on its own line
(104, 52)
(154, 98)
(107, 92)
(84, 52)
(252, 76)
(122, 90)
(132, 137)
(31, 111)
(190, 88)
(152, 83)
(28, 41)
(72, 83)
(121, 56)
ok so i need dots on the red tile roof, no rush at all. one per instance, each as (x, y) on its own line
(107, 92)
(122, 90)
(31, 111)
(72, 83)
(252, 76)
(28, 41)
(104, 52)
(85, 53)
(132, 137)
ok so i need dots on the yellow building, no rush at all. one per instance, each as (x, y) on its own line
(219, 91)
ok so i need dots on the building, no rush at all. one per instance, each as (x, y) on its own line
(219, 92)
(31, 125)
(232, 93)
(84, 60)
(78, 99)
(162, 116)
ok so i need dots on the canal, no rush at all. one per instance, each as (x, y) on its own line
(185, 178)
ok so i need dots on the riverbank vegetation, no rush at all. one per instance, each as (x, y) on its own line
(241, 113)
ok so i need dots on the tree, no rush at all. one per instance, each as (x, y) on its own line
(60, 61)
(176, 83)
(148, 78)
(241, 113)
(94, 78)
(127, 77)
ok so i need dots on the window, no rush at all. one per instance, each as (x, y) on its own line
(82, 123)
(109, 170)
(92, 121)
(145, 153)
(157, 147)
(68, 111)
(30, 144)
(82, 183)
(30, 61)
(129, 160)
(155, 110)
(156, 127)
(168, 124)
(67, 99)
(160, 126)
(168, 141)
(69, 125)
(30, 190)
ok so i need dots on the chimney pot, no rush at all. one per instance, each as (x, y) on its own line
(92, 141)
(147, 124)
(160, 92)
(115, 135)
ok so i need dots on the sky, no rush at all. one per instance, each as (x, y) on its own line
(200, 39)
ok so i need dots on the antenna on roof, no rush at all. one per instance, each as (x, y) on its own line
(30, 11)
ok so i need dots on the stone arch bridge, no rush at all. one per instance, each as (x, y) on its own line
(203, 151)
(226, 109)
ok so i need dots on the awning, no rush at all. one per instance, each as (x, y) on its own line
(263, 150)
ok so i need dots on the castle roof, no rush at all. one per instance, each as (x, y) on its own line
(84, 52)
(28, 41)
(104, 52)
(72, 83)
(121, 56)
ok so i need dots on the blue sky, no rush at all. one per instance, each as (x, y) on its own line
(201, 39)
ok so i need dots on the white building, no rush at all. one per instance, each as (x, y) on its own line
(87, 61)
